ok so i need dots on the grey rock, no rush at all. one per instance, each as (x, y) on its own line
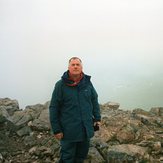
(34, 110)
(112, 105)
(24, 131)
(3, 114)
(10, 105)
(94, 156)
(157, 111)
(21, 118)
(127, 153)
(39, 125)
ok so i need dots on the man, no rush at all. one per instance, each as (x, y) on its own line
(74, 109)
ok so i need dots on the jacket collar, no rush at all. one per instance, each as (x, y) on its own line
(85, 80)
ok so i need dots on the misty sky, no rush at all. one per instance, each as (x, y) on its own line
(119, 41)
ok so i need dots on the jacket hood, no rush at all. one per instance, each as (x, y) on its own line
(84, 80)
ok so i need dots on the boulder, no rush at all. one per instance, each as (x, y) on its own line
(157, 111)
(10, 105)
(127, 153)
(112, 105)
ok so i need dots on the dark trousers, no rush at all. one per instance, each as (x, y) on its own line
(74, 152)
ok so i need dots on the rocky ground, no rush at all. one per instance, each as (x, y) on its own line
(134, 136)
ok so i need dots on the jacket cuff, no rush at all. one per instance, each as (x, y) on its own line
(96, 120)
(57, 132)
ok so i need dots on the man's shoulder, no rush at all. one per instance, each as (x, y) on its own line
(87, 76)
(59, 82)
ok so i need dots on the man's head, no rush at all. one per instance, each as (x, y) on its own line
(75, 66)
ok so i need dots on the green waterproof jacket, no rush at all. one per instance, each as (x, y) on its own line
(73, 108)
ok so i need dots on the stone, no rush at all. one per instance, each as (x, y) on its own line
(125, 135)
(24, 131)
(10, 105)
(126, 153)
(157, 111)
(112, 105)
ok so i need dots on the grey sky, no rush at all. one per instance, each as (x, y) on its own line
(119, 41)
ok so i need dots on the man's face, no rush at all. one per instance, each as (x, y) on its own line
(75, 67)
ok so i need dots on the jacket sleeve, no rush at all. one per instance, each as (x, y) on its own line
(96, 107)
(54, 108)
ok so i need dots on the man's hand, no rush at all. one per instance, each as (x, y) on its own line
(59, 136)
(98, 123)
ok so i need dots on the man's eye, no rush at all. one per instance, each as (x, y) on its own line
(75, 65)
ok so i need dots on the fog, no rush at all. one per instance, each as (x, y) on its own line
(119, 42)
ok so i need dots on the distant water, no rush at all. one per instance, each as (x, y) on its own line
(134, 93)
